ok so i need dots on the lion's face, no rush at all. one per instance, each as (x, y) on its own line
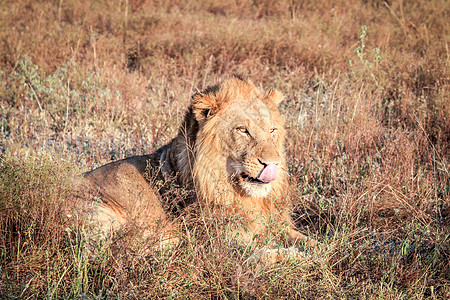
(252, 142)
(248, 134)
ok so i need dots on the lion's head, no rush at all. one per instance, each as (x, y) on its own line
(239, 141)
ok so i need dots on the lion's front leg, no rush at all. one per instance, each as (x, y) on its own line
(277, 255)
(294, 236)
(272, 256)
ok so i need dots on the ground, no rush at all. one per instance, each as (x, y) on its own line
(367, 107)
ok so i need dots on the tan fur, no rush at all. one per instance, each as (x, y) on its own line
(229, 133)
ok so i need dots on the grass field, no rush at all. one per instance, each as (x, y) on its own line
(368, 118)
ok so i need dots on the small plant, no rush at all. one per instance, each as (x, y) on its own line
(370, 61)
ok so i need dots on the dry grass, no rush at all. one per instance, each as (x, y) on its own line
(86, 82)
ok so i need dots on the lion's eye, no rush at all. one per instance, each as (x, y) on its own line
(242, 130)
(273, 130)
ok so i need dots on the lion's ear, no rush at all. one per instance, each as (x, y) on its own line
(202, 106)
(275, 97)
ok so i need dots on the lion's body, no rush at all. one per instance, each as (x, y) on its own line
(227, 157)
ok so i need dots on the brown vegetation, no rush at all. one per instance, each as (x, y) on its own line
(367, 107)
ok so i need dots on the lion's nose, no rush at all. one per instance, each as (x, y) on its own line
(266, 162)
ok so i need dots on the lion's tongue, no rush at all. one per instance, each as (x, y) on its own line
(269, 173)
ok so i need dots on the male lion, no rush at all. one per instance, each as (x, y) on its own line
(227, 157)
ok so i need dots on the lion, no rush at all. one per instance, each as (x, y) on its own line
(228, 158)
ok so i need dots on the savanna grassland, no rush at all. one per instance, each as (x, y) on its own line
(367, 111)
